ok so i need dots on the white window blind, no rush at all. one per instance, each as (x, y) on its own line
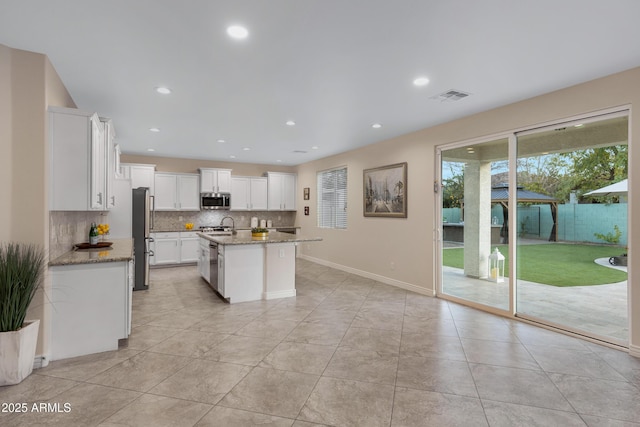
(332, 198)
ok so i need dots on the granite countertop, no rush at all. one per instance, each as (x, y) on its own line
(161, 230)
(121, 250)
(244, 238)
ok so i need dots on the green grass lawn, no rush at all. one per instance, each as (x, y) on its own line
(556, 264)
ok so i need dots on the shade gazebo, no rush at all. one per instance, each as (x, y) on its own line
(500, 194)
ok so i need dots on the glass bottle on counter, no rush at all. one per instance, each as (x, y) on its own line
(93, 234)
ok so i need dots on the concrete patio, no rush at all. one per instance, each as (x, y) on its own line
(598, 309)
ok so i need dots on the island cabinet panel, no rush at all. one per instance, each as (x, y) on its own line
(281, 271)
(242, 272)
(90, 308)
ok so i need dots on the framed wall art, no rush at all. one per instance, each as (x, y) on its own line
(385, 191)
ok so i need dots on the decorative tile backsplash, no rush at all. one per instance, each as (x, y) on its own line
(67, 228)
(171, 221)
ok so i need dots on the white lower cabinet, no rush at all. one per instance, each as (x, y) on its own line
(174, 248)
(91, 307)
(203, 260)
(166, 249)
(189, 247)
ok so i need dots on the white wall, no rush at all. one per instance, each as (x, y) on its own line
(372, 244)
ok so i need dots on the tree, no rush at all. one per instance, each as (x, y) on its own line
(594, 168)
(452, 185)
(543, 174)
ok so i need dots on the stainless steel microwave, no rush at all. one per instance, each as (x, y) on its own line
(215, 201)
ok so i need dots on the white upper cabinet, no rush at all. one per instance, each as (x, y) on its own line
(176, 192)
(141, 175)
(282, 191)
(215, 180)
(259, 193)
(112, 161)
(78, 168)
(248, 193)
(240, 194)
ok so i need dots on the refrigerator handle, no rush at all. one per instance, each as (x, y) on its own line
(153, 211)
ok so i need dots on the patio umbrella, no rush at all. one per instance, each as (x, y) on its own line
(617, 189)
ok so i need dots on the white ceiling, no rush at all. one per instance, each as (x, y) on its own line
(335, 67)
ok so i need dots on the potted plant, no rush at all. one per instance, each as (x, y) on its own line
(259, 232)
(21, 268)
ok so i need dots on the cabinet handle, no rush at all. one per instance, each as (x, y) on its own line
(100, 198)
(113, 200)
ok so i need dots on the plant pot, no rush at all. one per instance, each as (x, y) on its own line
(17, 352)
(261, 236)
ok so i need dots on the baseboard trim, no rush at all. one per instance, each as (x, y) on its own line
(634, 350)
(383, 279)
(279, 294)
(40, 361)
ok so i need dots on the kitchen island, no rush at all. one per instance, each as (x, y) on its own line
(246, 268)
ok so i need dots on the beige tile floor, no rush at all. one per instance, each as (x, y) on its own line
(347, 351)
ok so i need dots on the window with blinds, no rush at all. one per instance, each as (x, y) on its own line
(332, 198)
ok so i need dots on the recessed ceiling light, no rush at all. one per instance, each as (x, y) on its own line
(421, 81)
(232, 156)
(579, 125)
(246, 149)
(163, 90)
(237, 32)
(279, 161)
(376, 125)
(154, 129)
(290, 123)
(315, 147)
(151, 149)
(222, 141)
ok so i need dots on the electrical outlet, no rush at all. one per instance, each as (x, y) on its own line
(180, 218)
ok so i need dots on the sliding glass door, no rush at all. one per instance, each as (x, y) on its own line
(571, 234)
(529, 225)
(473, 222)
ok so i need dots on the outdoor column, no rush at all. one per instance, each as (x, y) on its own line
(477, 218)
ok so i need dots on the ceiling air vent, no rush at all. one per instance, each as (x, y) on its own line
(451, 96)
(300, 152)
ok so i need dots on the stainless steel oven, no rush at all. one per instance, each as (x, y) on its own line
(211, 201)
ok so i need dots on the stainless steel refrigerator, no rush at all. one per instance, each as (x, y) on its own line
(141, 223)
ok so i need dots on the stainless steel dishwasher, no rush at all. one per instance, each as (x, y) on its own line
(213, 266)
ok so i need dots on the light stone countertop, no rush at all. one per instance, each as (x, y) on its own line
(121, 250)
(196, 229)
(244, 238)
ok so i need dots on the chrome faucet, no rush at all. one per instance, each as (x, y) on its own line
(233, 223)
